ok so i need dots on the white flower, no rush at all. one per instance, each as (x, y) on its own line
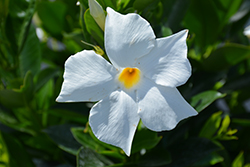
(140, 84)
(97, 13)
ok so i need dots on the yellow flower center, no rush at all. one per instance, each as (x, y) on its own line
(129, 77)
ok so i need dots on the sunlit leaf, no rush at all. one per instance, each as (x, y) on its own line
(224, 125)
(211, 126)
(208, 160)
(4, 156)
(239, 160)
(17, 154)
(204, 99)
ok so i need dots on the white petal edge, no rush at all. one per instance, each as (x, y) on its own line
(246, 31)
(162, 108)
(114, 119)
(87, 77)
(127, 38)
(167, 63)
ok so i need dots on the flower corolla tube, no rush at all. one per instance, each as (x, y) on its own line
(139, 84)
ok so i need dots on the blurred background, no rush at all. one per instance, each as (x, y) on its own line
(37, 36)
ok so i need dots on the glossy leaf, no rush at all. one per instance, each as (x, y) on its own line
(204, 99)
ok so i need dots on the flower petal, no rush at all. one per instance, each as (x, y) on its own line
(127, 37)
(161, 108)
(114, 119)
(87, 77)
(167, 63)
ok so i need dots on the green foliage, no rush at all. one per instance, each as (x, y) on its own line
(36, 37)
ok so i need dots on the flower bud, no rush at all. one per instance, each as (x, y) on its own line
(97, 13)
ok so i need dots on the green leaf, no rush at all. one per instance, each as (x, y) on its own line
(122, 4)
(4, 156)
(44, 97)
(145, 139)
(88, 158)
(44, 76)
(30, 56)
(239, 160)
(166, 31)
(142, 4)
(10, 120)
(224, 125)
(93, 29)
(52, 15)
(210, 159)
(26, 25)
(204, 99)
(62, 136)
(202, 19)
(13, 98)
(211, 126)
(241, 122)
(111, 3)
(4, 9)
(41, 142)
(85, 139)
(226, 56)
(226, 9)
(17, 154)
(28, 87)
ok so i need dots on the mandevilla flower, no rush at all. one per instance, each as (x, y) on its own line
(140, 84)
